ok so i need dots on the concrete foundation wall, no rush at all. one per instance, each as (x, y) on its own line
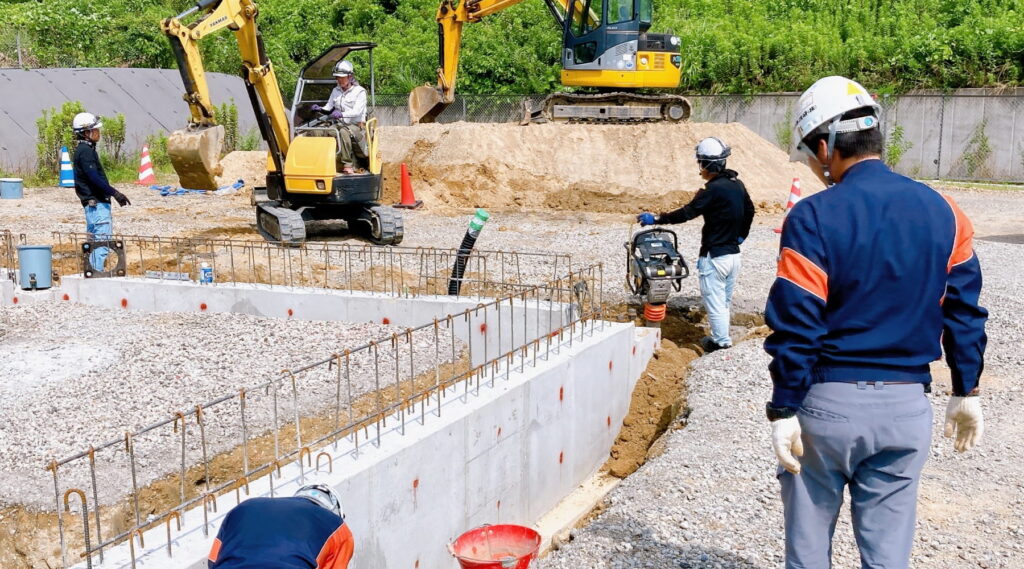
(506, 455)
(488, 332)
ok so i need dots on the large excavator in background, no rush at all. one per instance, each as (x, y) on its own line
(303, 182)
(606, 46)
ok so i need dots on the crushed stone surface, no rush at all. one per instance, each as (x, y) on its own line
(73, 375)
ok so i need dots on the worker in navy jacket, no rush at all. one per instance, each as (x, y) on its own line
(306, 531)
(876, 278)
(92, 187)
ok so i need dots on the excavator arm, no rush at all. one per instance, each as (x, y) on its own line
(195, 150)
(427, 101)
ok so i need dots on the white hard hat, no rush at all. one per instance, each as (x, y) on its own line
(343, 68)
(324, 496)
(826, 102)
(712, 150)
(86, 121)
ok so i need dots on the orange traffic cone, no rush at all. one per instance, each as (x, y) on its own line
(794, 196)
(409, 201)
(146, 175)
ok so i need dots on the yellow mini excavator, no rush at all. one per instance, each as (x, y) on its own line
(303, 181)
(606, 46)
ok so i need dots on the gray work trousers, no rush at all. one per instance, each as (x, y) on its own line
(353, 144)
(874, 438)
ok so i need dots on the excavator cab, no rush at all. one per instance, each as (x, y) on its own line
(312, 188)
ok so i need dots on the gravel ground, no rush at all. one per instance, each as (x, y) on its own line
(72, 375)
(711, 500)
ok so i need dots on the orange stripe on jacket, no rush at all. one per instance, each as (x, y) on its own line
(963, 243)
(802, 272)
(337, 552)
(214, 550)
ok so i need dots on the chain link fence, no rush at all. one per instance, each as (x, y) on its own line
(975, 136)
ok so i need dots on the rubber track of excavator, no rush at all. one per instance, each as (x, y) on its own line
(392, 225)
(280, 224)
(548, 103)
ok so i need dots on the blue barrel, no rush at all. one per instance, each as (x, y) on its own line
(35, 262)
(11, 188)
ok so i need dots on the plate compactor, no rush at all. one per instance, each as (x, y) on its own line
(655, 269)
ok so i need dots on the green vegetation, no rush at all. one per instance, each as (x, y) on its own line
(978, 152)
(896, 146)
(728, 47)
(54, 131)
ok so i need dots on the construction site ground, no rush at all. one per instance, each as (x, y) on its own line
(708, 497)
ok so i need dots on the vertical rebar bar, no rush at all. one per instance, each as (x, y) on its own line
(130, 449)
(245, 432)
(60, 519)
(179, 416)
(85, 521)
(96, 500)
(202, 439)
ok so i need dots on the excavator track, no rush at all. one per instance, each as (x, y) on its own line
(609, 108)
(280, 224)
(387, 227)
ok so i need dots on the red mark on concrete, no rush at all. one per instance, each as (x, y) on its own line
(483, 328)
(386, 321)
(561, 393)
(561, 457)
(634, 350)
(609, 365)
(609, 421)
(417, 566)
(66, 297)
(14, 300)
(499, 431)
(202, 306)
(416, 484)
(124, 303)
(290, 313)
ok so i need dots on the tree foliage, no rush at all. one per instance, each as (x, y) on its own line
(728, 47)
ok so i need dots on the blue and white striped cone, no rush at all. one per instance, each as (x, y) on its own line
(67, 174)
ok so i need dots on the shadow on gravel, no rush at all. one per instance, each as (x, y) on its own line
(1014, 239)
(654, 553)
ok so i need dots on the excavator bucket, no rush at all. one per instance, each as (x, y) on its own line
(195, 154)
(425, 103)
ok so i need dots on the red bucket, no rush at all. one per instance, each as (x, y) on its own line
(503, 546)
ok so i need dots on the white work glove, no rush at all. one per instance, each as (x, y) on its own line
(787, 444)
(963, 417)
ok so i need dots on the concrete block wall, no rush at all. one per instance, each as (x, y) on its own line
(506, 455)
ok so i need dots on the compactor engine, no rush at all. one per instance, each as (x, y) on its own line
(655, 269)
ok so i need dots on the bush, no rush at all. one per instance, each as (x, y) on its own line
(896, 147)
(112, 140)
(53, 132)
(227, 116)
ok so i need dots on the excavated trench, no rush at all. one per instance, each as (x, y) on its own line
(659, 398)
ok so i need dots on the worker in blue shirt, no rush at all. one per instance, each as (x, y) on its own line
(877, 276)
(91, 185)
(305, 531)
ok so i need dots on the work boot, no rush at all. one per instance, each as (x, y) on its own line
(709, 345)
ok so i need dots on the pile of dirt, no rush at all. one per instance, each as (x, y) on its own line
(248, 166)
(598, 168)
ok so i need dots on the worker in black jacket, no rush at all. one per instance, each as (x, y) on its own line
(92, 186)
(728, 213)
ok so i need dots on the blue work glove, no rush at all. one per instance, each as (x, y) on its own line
(336, 115)
(740, 241)
(315, 108)
(646, 218)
